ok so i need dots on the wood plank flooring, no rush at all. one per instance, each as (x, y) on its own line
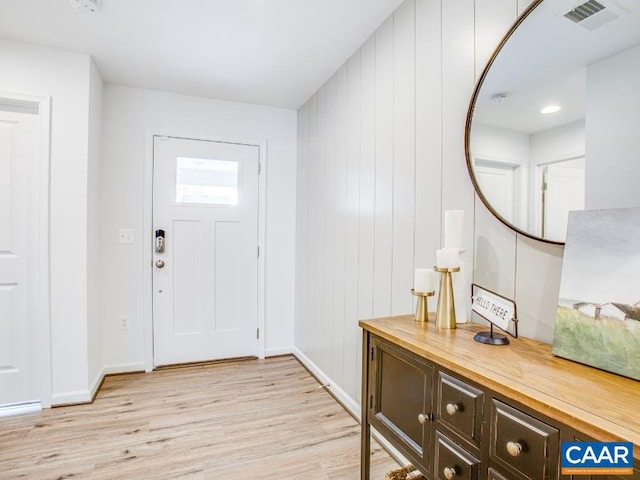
(251, 419)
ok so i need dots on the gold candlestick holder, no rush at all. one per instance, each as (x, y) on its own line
(422, 309)
(446, 310)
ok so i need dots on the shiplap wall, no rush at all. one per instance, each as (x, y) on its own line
(380, 157)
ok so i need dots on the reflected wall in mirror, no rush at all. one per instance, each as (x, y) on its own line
(554, 123)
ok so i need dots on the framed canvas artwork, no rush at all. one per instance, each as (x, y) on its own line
(598, 313)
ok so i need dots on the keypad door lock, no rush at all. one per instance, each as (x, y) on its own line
(160, 242)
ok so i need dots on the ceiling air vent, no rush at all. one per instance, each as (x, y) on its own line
(585, 15)
(584, 11)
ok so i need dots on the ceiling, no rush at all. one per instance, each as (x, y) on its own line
(545, 62)
(269, 52)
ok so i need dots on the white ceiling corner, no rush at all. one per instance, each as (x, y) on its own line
(269, 52)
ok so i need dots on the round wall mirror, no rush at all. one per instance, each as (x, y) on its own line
(554, 122)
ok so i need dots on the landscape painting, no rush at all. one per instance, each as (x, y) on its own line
(598, 314)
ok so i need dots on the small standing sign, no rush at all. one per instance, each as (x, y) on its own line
(498, 311)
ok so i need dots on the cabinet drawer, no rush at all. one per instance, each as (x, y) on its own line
(493, 475)
(523, 443)
(459, 407)
(453, 462)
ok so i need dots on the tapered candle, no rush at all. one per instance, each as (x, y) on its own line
(454, 229)
(423, 281)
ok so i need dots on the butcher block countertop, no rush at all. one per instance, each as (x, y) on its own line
(601, 405)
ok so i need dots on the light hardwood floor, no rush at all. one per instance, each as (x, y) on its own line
(251, 419)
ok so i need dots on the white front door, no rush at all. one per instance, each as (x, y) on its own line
(205, 278)
(18, 254)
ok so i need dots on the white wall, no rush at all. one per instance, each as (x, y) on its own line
(380, 157)
(557, 144)
(129, 114)
(499, 145)
(66, 78)
(613, 114)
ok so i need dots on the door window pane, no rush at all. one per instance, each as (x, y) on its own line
(206, 181)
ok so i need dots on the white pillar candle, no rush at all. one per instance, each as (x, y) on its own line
(454, 229)
(423, 281)
(447, 258)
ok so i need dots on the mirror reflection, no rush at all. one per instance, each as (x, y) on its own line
(556, 121)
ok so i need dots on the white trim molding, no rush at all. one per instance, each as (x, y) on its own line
(82, 396)
(76, 397)
(276, 352)
(347, 402)
(138, 367)
(95, 385)
(20, 409)
(262, 245)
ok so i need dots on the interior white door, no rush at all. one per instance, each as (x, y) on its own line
(497, 185)
(564, 192)
(205, 281)
(18, 251)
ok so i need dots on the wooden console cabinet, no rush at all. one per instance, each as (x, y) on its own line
(458, 409)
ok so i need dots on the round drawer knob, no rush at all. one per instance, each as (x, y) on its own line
(452, 408)
(449, 473)
(160, 263)
(514, 448)
(422, 419)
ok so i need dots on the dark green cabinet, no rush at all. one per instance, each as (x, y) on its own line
(451, 427)
(400, 401)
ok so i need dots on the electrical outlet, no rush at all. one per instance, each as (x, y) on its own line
(125, 321)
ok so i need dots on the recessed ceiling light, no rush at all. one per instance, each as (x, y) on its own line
(86, 5)
(550, 109)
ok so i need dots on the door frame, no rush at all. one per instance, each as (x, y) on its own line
(41, 356)
(147, 234)
(536, 185)
(520, 194)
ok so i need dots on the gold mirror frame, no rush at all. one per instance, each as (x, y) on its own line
(467, 134)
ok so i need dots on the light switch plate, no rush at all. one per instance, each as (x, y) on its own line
(125, 235)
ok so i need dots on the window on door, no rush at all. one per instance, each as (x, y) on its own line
(206, 181)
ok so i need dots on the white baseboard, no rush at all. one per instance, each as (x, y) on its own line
(87, 396)
(274, 352)
(123, 368)
(20, 408)
(113, 369)
(97, 382)
(347, 402)
(71, 398)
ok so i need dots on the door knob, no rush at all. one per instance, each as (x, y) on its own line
(160, 263)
